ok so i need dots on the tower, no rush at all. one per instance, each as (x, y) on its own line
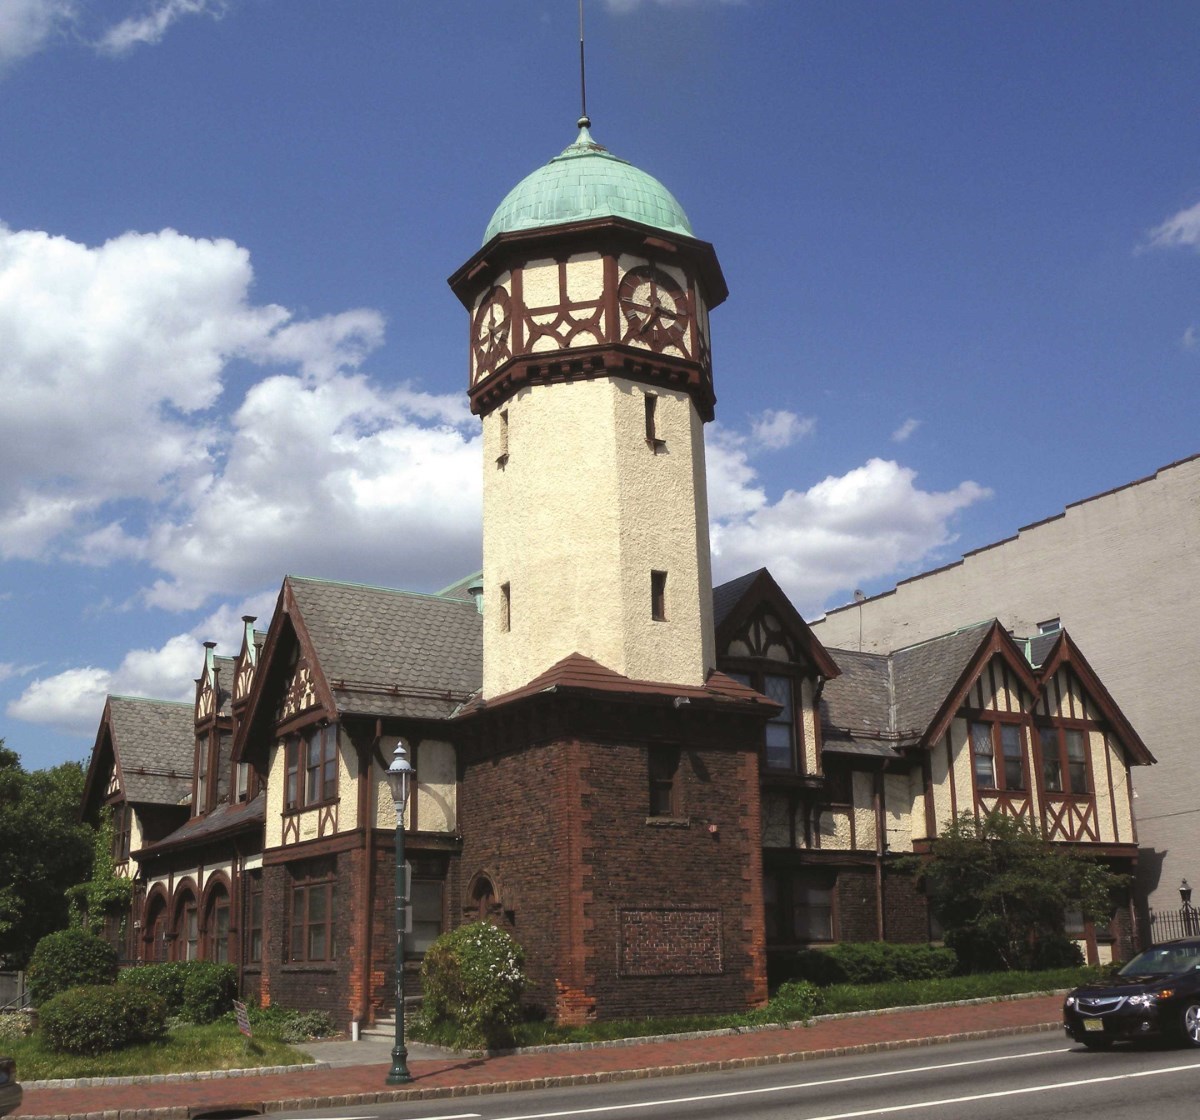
(590, 366)
(609, 774)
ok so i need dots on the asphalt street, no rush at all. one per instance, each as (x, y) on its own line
(1030, 1077)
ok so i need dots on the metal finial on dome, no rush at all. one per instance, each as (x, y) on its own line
(584, 121)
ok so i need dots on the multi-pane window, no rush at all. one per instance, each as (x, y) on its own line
(254, 917)
(780, 729)
(1064, 756)
(157, 933)
(798, 907)
(311, 767)
(312, 908)
(187, 930)
(664, 773)
(426, 904)
(122, 826)
(201, 805)
(216, 926)
(997, 756)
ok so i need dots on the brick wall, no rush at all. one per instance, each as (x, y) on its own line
(619, 916)
(905, 910)
(857, 915)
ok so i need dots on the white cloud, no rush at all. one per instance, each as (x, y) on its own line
(111, 362)
(152, 25)
(26, 26)
(776, 429)
(870, 522)
(72, 701)
(1191, 338)
(901, 434)
(1182, 229)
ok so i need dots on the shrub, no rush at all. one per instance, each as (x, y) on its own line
(796, 1001)
(878, 962)
(15, 1025)
(165, 980)
(866, 962)
(208, 990)
(195, 991)
(472, 981)
(1055, 951)
(95, 1019)
(67, 959)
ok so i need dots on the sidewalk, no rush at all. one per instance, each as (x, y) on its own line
(333, 1082)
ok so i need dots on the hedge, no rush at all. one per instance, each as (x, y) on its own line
(98, 1018)
(199, 991)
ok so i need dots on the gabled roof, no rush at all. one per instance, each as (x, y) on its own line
(391, 652)
(909, 696)
(1064, 651)
(150, 744)
(735, 601)
(372, 650)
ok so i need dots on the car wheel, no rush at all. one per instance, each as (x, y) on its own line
(1097, 1043)
(1191, 1024)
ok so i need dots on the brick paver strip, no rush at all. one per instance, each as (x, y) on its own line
(457, 1077)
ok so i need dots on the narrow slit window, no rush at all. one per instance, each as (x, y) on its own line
(658, 596)
(502, 458)
(505, 607)
(652, 441)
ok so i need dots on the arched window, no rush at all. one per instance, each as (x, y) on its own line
(483, 898)
(187, 928)
(155, 932)
(216, 925)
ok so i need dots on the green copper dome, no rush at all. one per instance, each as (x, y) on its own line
(587, 181)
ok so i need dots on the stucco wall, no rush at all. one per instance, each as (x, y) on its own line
(576, 518)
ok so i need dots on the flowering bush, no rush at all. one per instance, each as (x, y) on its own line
(472, 981)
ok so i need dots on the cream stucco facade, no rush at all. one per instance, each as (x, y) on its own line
(579, 509)
(1120, 570)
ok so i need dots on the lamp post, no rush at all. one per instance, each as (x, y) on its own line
(1188, 914)
(398, 775)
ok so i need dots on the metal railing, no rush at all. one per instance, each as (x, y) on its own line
(1169, 925)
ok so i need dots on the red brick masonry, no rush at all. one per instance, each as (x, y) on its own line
(324, 1088)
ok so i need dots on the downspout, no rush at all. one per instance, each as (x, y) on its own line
(880, 848)
(367, 824)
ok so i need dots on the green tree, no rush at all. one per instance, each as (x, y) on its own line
(1001, 891)
(46, 849)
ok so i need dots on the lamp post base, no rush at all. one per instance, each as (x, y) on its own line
(398, 1074)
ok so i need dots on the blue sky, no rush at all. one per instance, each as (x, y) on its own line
(960, 240)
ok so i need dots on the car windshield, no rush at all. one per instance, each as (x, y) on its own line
(1163, 960)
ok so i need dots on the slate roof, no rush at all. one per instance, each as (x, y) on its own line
(225, 666)
(925, 674)
(154, 742)
(727, 595)
(884, 702)
(224, 820)
(856, 707)
(392, 653)
(578, 673)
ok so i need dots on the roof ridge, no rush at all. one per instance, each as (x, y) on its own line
(433, 596)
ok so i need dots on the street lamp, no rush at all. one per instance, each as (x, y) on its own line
(398, 775)
(1185, 894)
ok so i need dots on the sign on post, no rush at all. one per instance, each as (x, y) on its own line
(243, 1017)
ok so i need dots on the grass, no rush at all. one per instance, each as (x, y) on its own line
(185, 1049)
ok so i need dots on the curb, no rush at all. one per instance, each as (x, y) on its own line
(394, 1096)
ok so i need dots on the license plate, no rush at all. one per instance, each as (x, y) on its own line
(1093, 1025)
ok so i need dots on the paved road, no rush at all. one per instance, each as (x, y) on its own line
(1021, 1078)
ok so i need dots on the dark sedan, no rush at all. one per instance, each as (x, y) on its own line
(1156, 995)
(10, 1091)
